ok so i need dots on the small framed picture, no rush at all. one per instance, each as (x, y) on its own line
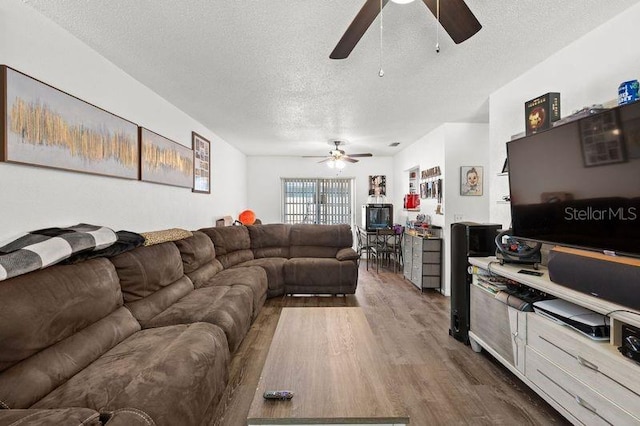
(602, 140)
(201, 164)
(471, 178)
(424, 190)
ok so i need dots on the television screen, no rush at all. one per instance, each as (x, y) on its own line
(377, 216)
(578, 184)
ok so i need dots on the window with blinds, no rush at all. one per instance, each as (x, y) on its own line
(320, 201)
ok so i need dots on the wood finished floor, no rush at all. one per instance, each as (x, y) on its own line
(440, 380)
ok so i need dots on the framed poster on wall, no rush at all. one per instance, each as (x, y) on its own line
(201, 164)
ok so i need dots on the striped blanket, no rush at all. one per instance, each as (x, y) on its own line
(45, 247)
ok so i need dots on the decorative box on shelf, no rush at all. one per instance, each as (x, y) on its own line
(541, 112)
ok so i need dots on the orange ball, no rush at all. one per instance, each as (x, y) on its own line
(247, 217)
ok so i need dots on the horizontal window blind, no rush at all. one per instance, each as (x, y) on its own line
(320, 201)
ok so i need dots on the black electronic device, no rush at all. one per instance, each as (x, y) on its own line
(515, 250)
(468, 239)
(278, 394)
(527, 272)
(377, 216)
(577, 184)
(611, 278)
(630, 342)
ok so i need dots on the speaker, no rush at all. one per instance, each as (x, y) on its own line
(612, 278)
(468, 239)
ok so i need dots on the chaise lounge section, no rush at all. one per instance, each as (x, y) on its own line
(146, 337)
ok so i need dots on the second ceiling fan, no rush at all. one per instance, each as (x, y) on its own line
(455, 17)
(338, 156)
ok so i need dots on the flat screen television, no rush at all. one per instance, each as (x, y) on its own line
(578, 184)
(377, 216)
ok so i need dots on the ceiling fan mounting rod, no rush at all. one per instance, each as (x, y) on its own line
(381, 71)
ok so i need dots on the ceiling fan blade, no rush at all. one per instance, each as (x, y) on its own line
(313, 156)
(360, 155)
(325, 160)
(358, 27)
(456, 18)
(349, 159)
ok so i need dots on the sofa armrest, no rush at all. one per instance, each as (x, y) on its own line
(347, 254)
(60, 416)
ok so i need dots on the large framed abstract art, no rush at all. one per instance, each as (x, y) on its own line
(164, 161)
(44, 126)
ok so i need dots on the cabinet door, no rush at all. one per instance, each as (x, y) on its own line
(489, 320)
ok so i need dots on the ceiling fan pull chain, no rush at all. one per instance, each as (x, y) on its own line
(381, 71)
(438, 26)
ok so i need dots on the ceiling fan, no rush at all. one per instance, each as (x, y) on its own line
(337, 156)
(454, 16)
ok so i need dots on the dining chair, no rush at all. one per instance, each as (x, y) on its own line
(364, 245)
(386, 247)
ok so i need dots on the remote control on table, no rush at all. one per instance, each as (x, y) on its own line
(282, 395)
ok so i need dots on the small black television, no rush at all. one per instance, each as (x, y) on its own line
(377, 216)
(578, 184)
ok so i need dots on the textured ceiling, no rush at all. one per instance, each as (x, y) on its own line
(258, 73)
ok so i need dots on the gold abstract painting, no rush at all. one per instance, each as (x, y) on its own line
(50, 128)
(164, 161)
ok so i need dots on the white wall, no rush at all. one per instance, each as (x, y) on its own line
(586, 72)
(32, 197)
(450, 146)
(264, 185)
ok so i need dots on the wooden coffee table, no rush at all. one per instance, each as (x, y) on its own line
(329, 359)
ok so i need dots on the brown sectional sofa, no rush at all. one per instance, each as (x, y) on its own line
(146, 337)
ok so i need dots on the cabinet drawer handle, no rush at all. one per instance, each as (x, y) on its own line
(587, 364)
(586, 405)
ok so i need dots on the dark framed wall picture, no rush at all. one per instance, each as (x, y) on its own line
(424, 190)
(377, 185)
(44, 126)
(471, 179)
(201, 164)
(164, 161)
(601, 140)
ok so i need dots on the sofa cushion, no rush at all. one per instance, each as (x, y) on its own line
(55, 322)
(198, 258)
(318, 275)
(274, 268)
(25, 383)
(252, 277)
(232, 243)
(152, 279)
(270, 240)
(45, 307)
(171, 373)
(319, 240)
(228, 307)
(165, 235)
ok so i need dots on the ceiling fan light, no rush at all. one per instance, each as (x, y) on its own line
(340, 164)
(402, 1)
(331, 164)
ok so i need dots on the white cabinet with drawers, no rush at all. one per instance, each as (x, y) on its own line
(586, 380)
